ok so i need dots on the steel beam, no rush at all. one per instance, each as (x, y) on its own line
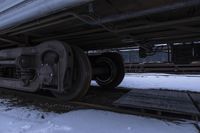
(161, 9)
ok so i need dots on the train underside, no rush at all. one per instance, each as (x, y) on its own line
(45, 45)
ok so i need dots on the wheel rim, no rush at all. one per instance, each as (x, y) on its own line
(105, 79)
(115, 65)
(82, 76)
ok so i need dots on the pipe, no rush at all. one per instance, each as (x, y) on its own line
(33, 9)
(7, 62)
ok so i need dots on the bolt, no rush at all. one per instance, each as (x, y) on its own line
(22, 60)
(51, 74)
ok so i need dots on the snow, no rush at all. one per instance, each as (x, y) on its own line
(31, 120)
(161, 81)
(14, 119)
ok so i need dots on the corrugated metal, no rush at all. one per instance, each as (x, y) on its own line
(31, 10)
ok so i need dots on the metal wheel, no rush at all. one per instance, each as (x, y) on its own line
(82, 75)
(113, 63)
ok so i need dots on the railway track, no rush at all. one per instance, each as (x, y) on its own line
(102, 99)
(163, 68)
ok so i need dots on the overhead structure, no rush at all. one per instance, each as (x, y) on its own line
(27, 10)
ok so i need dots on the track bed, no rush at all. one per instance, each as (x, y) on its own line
(113, 100)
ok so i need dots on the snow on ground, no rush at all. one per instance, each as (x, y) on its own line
(161, 81)
(30, 120)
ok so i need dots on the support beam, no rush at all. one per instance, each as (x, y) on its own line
(189, 29)
(161, 9)
(11, 41)
(167, 24)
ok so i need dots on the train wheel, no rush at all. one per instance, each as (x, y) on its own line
(114, 74)
(82, 76)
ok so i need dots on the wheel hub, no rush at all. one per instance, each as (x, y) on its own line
(46, 74)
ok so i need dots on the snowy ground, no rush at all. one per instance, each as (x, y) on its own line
(161, 81)
(31, 120)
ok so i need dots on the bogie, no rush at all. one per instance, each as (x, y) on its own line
(55, 66)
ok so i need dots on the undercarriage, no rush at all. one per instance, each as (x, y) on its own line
(45, 45)
(64, 70)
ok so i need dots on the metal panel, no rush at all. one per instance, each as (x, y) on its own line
(168, 101)
(6, 4)
(196, 99)
(33, 9)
